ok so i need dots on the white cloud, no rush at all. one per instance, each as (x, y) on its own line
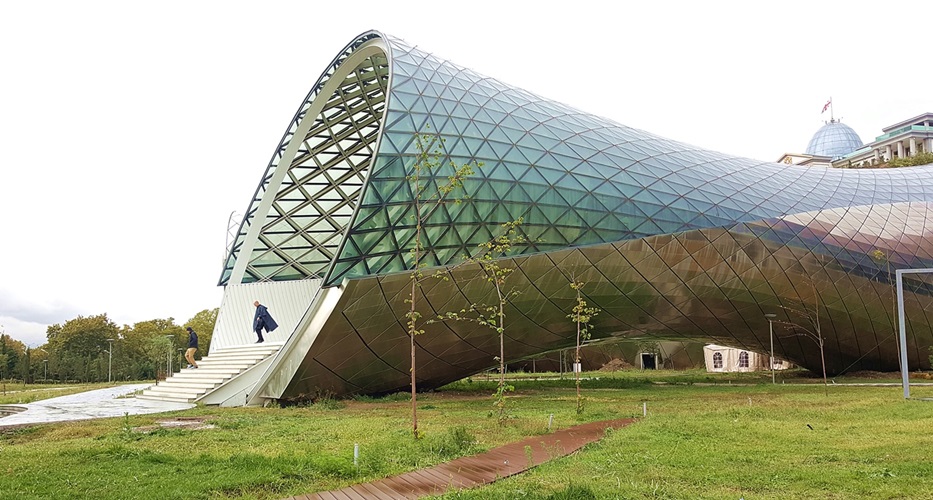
(30, 333)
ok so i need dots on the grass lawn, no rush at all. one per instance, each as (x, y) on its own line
(733, 436)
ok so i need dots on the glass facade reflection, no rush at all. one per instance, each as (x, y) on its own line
(674, 242)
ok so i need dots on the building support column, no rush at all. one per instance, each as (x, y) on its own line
(913, 146)
(900, 149)
(887, 153)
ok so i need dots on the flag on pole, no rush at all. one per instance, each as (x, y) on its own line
(826, 106)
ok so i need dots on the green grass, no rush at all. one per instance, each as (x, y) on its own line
(700, 440)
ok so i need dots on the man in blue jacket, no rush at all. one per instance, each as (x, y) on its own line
(263, 320)
(192, 348)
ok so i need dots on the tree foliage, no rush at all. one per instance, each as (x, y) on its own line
(489, 260)
(78, 349)
(429, 191)
(581, 315)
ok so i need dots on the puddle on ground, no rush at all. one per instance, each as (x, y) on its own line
(6, 410)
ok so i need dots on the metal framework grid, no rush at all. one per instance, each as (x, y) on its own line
(676, 242)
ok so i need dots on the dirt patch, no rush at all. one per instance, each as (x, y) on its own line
(615, 365)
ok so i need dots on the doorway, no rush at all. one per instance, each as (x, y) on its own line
(649, 361)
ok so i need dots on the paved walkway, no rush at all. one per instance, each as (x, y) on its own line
(100, 403)
(477, 470)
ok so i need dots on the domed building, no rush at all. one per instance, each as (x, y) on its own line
(835, 140)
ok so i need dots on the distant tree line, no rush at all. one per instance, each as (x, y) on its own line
(78, 350)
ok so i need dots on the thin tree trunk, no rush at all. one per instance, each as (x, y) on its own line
(411, 334)
(577, 362)
(413, 326)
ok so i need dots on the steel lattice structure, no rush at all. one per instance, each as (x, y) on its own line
(673, 241)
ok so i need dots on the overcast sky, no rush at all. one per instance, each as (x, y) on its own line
(131, 130)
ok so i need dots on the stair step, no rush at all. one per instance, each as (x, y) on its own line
(215, 381)
(245, 350)
(172, 390)
(165, 398)
(214, 370)
(199, 384)
(205, 363)
(232, 358)
(188, 384)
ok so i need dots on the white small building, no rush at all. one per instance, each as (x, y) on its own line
(729, 359)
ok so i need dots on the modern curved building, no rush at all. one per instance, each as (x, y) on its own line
(673, 242)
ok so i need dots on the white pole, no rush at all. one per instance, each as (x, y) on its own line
(771, 336)
(770, 317)
(109, 361)
(901, 321)
(903, 332)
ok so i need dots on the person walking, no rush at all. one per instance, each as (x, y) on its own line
(263, 320)
(192, 348)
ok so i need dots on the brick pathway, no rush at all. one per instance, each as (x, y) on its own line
(476, 470)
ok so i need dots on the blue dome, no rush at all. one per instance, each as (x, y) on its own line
(835, 140)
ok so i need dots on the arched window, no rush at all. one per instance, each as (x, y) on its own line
(743, 359)
(717, 360)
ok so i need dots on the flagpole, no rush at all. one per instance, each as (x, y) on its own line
(832, 118)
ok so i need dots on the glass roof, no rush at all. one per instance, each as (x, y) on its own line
(576, 179)
(316, 197)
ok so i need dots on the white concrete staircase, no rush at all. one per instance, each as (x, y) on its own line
(213, 371)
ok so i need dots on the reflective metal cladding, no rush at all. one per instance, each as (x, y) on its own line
(672, 241)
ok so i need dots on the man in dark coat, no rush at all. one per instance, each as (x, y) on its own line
(192, 348)
(262, 320)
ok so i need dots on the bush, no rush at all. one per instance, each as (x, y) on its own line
(458, 441)
(910, 161)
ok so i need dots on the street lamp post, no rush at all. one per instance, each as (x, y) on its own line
(169, 374)
(45, 377)
(770, 317)
(26, 372)
(110, 361)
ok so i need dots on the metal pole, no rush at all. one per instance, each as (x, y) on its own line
(903, 332)
(771, 336)
(110, 361)
(46, 377)
(770, 317)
